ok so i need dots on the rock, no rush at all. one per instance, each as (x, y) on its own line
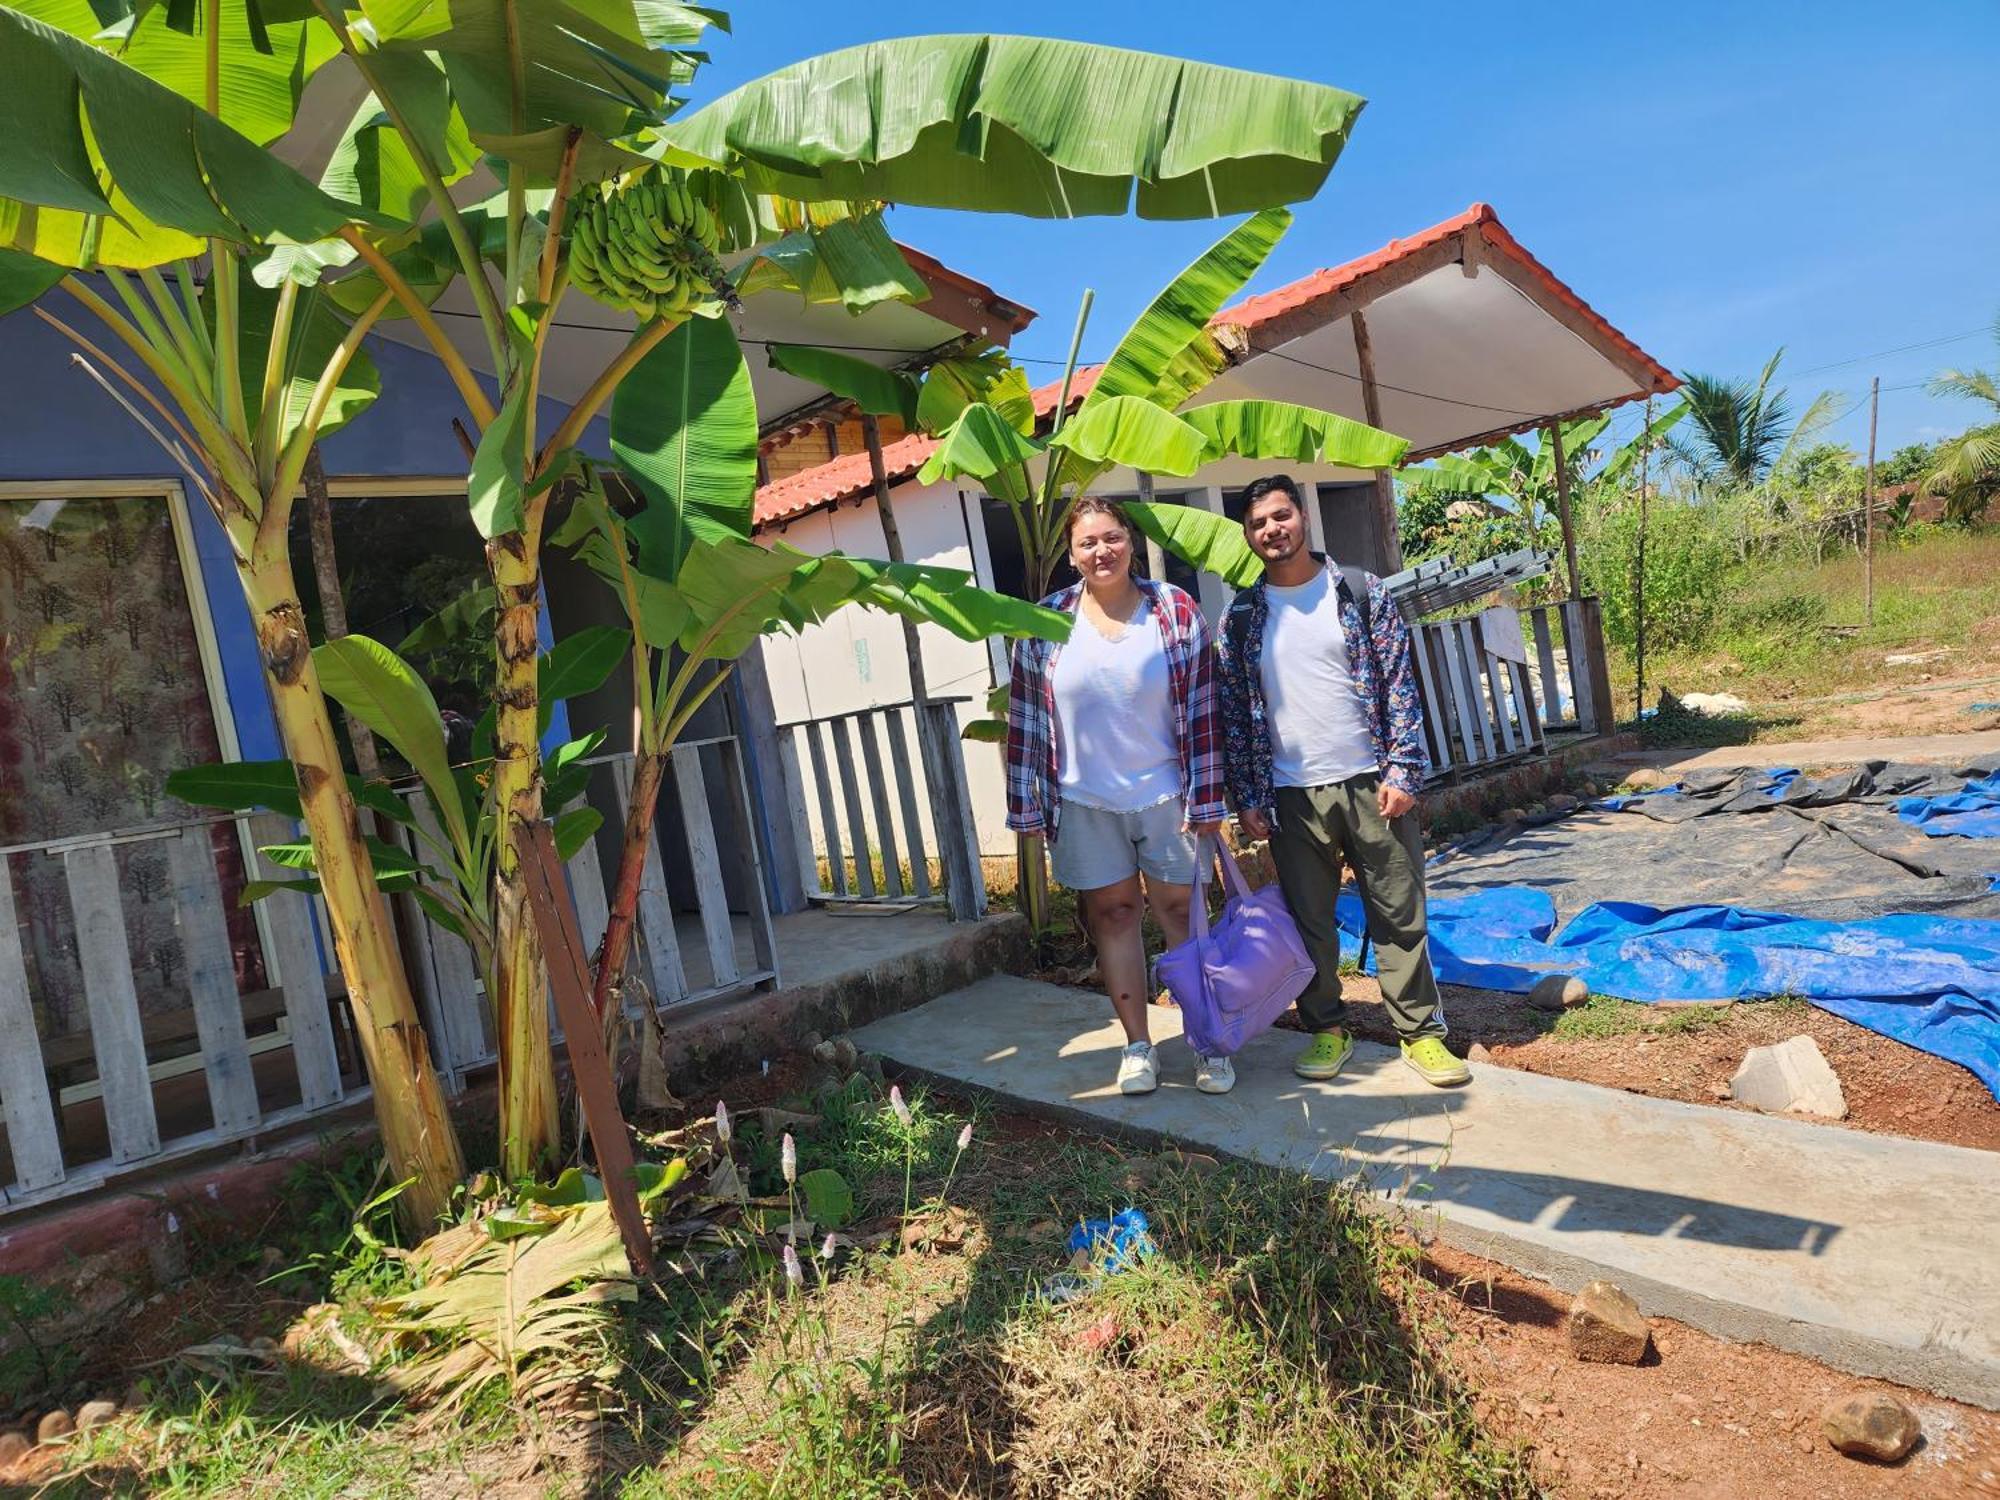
(14, 1447)
(1791, 1076)
(54, 1427)
(1645, 779)
(1510, 815)
(1044, 1231)
(1606, 1327)
(1714, 705)
(94, 1414)
(1563, 802)
(1870, 1424)
(1101, 1334)
(1558, 992)
(1477, 1053)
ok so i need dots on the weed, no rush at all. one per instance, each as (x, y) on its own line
(1603, 1016)
(30, 1359)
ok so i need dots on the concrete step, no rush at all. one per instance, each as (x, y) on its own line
(1873, 1254)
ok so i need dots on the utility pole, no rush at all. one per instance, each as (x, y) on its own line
(1868, 509)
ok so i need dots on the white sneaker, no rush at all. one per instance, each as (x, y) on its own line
(1215, 1075)
(1138, 1069)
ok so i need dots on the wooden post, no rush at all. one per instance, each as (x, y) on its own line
(1639, 584)
(332, 602)
(1562, 508)
(913, 641)
(596, 1088)
(1391, 560)
(1868, 508)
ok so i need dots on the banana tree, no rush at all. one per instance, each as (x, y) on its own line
(1042, 128)
(115, 170)
(697, 592)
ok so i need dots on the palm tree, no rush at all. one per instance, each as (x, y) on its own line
(1739, 431)
(1966, 469)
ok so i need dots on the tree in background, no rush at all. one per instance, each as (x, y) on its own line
(1965, 470)
(1738, 431)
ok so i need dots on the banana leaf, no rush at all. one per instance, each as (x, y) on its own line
(1132, 431)
(879, 392)
(1207, 541)
(982, 443)
(81, 119)
(684, 429)
(1024, 125)
(1300, 434)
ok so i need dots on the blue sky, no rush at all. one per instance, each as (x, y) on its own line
(1718, 179)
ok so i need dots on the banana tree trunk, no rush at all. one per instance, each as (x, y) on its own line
(418, 1137)
(530, 1115)
(647, 775)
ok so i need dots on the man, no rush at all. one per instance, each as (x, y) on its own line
(1324, 747)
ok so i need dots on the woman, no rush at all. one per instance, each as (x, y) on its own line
(1114, 755)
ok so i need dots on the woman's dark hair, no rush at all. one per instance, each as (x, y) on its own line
(1098, 505)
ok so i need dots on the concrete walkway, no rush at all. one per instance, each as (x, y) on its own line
(1927, 749)
(1876, 1255)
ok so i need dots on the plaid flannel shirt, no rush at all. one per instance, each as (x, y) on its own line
(1385, 676)
(1034, 749)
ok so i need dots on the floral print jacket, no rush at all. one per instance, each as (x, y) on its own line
(1384, 674)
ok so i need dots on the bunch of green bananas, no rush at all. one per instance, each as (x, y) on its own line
(647, 245)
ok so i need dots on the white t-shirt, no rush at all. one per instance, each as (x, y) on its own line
(1115, 716)
(1312, 708)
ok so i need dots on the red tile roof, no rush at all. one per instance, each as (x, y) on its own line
(848, 476)
(1266, 306)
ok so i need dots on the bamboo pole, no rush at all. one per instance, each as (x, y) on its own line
(1385, 486)
(1562, 503)
(1639, 582)
(1868, 508)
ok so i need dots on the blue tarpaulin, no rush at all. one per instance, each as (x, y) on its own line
(1972, 813)
(1930, 981)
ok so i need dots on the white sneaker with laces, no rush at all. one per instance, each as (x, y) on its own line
(1215, 1075)
(1138, 1069)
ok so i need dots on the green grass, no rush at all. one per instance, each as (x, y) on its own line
(1281, 1342)
(1601, 1016)
(1774, 646)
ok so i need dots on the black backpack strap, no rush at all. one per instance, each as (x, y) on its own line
(1354, 583)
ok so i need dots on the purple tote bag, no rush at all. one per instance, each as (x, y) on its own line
(1233, 980)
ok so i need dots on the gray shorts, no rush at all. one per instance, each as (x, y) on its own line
(1094, 848)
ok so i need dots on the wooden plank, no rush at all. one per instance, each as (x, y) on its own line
(1449, 665)
(795, 809)
(742, 836)
(1496, 688)
(850, 791)
(590, 1066)
(951, 811)
(288, 918)
(1423, 640)
(898, 732)
(836, 863)
(1579, 669)
(865, 726)
(586, 888)
(705, 862)
(1597, 668)
(1545, 659)
(1473, 660)
(114, 1002)
(462, 1036)
(211, 981)
(32, 1138)
(655, 918)
(1388, 537)
(1524, 697)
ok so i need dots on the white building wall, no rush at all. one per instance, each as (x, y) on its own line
(856, 658)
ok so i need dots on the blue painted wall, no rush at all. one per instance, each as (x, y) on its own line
(60, 425)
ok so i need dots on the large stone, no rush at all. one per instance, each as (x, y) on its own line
(1558, 992)
(1870, 1424)
(14, 1447)
(1792, 1076)
(54, 1427)
(95, 1414)
(1606, 1327)
(1646, 779)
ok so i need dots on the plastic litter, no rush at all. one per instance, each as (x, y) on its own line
(1113, 1245)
